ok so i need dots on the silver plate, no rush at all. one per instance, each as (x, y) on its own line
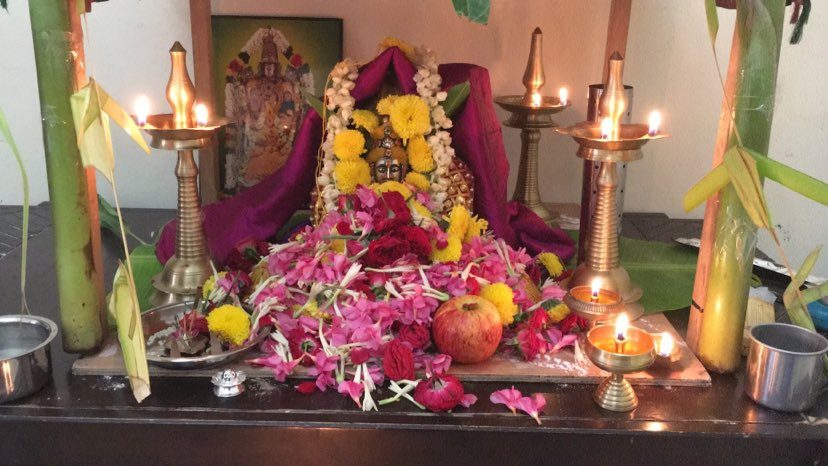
(160, 318)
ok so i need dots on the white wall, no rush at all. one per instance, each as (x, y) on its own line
(668, 61)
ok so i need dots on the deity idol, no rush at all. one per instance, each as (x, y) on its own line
(388, 159)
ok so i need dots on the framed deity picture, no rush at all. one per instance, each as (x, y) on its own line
(262, 68)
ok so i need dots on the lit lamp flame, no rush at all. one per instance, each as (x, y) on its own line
(665, 347)
(142, 109)
(563, 94)
(536, 99)
(596, 290)
(622, 323)
(201, 115)
(655, 122)
(606, 128)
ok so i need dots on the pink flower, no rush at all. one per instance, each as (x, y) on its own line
(359, 355)
(559, 340)
(324, 365)
(467, 400)
(532, 406)
(438, 365)
(507, 396)
(352, 389)
(366, 196)
(553, 291)
(281, 369)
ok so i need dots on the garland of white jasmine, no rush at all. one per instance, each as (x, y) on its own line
(339, 100)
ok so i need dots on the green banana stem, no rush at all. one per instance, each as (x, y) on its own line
(80, 306)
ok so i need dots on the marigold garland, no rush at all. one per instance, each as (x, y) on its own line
(418, 180)
(406, 48)
(351, 173)
(384, 105)
(349, 144)
(477, 226)
(459, 219)
(392, 185)
(365, 119)
(419, 155)
(410, 116)
(503, 299)
(230, 323)
(451, 253)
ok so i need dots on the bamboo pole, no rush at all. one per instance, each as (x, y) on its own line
(750, 89)
(74, 259)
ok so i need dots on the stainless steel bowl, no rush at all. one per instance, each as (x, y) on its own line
(25, 360)
(159, 318)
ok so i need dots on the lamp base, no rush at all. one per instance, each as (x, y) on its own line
(616, 394)
(179, 281)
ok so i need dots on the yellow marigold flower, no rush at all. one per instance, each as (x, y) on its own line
(409, 116)
(419, 208)
(557, 313)
(349, 144)
(551, 262)
(459, 219)
(477, 226)
(384, 105)
(503, 299)
(209, 284)
(392, 185)
(365, 119)
(351, 173)
(230, 323)
(406, 48)
(451, 253)
(311, 309)
(419, 155)
(418, 180)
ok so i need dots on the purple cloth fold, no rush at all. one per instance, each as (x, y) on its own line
(260, 211)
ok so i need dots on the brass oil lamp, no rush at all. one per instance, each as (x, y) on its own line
(184, 130)
(531, 112)
(609, 143)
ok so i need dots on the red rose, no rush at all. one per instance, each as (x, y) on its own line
(344, 228)
(534, 273)
(399, 213)
(384, 251)
(235, 66)
(439, 393)
(417, 238)
(398, 361)
(237, 261)
(417, 335)
(302, 346)
(571, 321)
(296, 60)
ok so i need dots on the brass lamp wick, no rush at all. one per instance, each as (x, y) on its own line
(533, 77)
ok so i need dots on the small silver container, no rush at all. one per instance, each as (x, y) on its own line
(784, 367)
(25, 360)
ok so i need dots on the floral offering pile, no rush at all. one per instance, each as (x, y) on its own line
(354, 299)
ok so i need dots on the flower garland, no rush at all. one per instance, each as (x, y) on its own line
(339, 100)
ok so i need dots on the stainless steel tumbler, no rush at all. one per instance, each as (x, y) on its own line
(784, 367)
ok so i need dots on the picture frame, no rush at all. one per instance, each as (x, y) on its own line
(256, 71)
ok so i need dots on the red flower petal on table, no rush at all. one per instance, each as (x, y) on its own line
(532, 406)
(439, 393)
(359, 355)
(538, 319)
(467, 400)
(306, 388)
(507, 396)
(352, 389)
(530, 343)
(398, 361)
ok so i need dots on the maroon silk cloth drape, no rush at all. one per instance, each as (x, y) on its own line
(260, 211)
